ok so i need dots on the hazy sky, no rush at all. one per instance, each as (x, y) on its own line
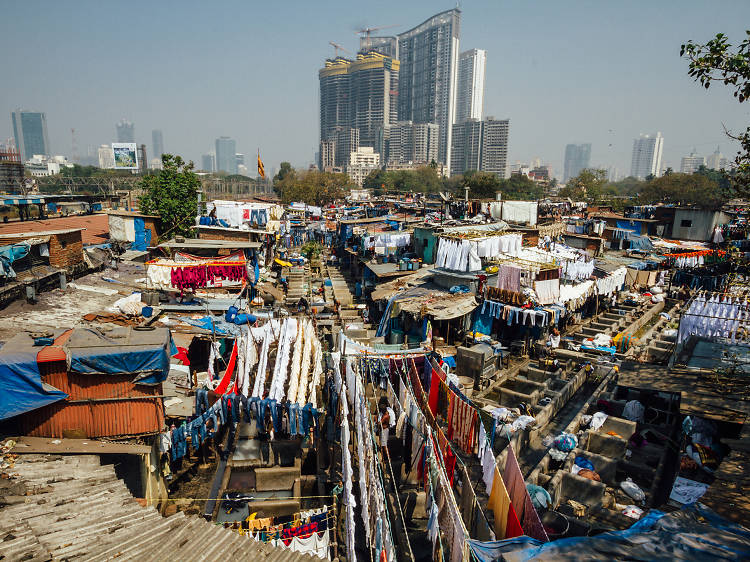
(562, 71)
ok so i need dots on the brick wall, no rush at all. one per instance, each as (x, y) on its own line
(66, 250)
(221, 234)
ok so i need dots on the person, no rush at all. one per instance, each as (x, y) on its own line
(553, 341)
(387, 420)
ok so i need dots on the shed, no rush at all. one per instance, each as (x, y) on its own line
(87, 384)
(696, 224)
(138, 229)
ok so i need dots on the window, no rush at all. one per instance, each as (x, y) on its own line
(686, 223)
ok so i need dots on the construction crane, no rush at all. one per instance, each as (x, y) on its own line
(366, 31)
(338, 48)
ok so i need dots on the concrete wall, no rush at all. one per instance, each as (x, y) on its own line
(425, 244)
(703, 223)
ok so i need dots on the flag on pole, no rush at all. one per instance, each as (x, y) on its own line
(261, 169)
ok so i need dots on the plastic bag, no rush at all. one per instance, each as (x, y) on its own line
(632, 489)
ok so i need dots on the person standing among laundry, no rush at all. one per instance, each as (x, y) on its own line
(387, 420)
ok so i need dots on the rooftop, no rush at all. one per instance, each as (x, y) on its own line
(200, 243)
(95, 227)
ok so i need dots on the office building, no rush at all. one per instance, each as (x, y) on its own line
(613, 173)
(577, 158)
(387, 46)
(647, 153)
(327, 155)
(208, 162)
(30, 132)
(157, 142)
(125, 131)
(409, 142)
(240, 159)
(470, 89)
(481, 145)
(373, 86)
(361, 163)
(226, 155)
(717, 161)
(357, 95)
(428, 75)
(106, 157)
(690, 164)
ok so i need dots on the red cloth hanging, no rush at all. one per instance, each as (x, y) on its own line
(182, 355)
(434, 391)
(226, 379)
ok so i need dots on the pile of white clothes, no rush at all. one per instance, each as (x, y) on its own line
(613, 282)
(714, 317)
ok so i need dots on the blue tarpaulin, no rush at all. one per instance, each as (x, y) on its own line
(21, 386)
(634, 226)
(121, 351)
(693, 533)
(142, 235)
(11, 253)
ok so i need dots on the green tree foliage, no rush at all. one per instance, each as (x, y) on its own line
(588, 186)
(697, 190)
(629, 186)
(521, 188)
(172, 194)
(285, 168)
(424, 179)
(717, 61)
(312, 187)
(482, 185)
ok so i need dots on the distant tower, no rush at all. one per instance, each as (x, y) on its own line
(74, 147)
(157, 141)
(125, 131)
(30, 132)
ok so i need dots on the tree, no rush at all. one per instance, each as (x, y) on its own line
(312, 187)
(586, 186)
(482, 185)
(683, 189)
(285, 168)
(520, 187)
(716, 61)
(172, 194)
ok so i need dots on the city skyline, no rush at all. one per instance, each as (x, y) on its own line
(280, 116)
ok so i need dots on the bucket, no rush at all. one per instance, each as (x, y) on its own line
(556, 524)
(147, 311)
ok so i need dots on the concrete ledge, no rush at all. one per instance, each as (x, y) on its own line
(276, 478)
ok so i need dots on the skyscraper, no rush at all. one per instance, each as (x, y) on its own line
(125, 131)
(357, 95)
(405, 142)
(470, 94)
(481, 145)
(577, 158)
(387, 46)
(106, 157)
(30, 131)
(226, 159)
(142, 159)
(157, 140)
(717, 161)
(690, 164)
(428, 75)
(208, 163)
(647, 151)
(373, 87)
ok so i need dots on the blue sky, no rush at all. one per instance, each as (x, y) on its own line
(595, 71)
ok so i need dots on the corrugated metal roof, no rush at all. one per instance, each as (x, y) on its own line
(72, 507)
(96, 227)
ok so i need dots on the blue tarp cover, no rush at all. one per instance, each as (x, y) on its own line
(693, 533)
(121, 350)
(21, 386)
